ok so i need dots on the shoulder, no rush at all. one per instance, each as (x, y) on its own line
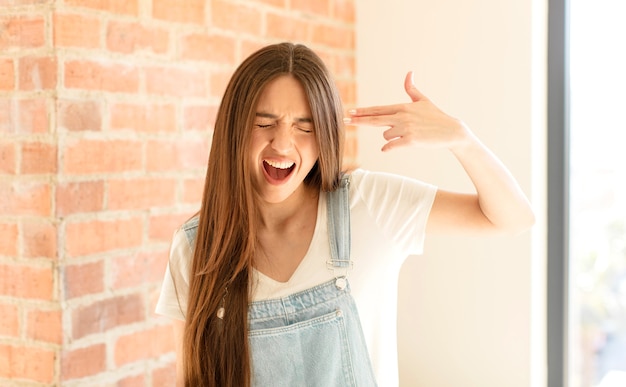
(360, 176)
(191, 224)
(372, 182)
(188, 231)
(183, 243)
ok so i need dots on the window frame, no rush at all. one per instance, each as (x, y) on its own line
(558, 193)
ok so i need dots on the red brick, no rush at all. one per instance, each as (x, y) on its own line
(212, 48)
(100, 156)
(347, 91)
(189, 11)
(90, 237)
(351, 147)
(200, 118)
(21, 32)
(133, 271)
(145, 344)
(82, 115)
(275, 3)
(122, 78)
(37, 73)
(83, 362)
(7, 120)
(26, 282)
(248, 47)
(153, 295)
(144, 118)
(9, 320)
(327, 58)
(141, 193)
(25, 198)
(107, 314)
(345, 66)
(288, 28)
(219, 80)
(38, 157)
(7, 158)
(33, 115)
(162, 227)
(165, 376)
(135, 381)
(77, 197)
(39, 239)
(44, 325)
(176, 82)
(194, 154)
(22, 2)
(132, 37)
(30, 363)
(83, 279)
(343, 10)
(333, 36)
(320, 7)
(193, 190)
(7, 74)
(126, 7)
(8, 242)
(236, 17)
(73, 30)
(183, 154)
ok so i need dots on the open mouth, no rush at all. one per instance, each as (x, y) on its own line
(278, 170)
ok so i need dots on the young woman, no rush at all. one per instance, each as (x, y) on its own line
(288, 274)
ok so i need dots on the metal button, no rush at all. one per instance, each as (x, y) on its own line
(341, 283)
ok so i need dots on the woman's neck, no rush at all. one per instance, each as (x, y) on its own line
(301, 204)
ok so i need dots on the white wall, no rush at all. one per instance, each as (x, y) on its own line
(471, 311)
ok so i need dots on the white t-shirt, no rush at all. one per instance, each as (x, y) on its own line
(388, 216)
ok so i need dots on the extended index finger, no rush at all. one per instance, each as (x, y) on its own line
(375, 110)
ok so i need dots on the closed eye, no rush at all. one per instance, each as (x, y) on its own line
(263, 126)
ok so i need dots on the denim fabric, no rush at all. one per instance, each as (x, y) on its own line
(314, 337)
(191, 230)
(311, 338)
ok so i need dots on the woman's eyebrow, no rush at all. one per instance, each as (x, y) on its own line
(274, 117)
(266, 115)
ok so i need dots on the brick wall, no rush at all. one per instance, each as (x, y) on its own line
(106, 110)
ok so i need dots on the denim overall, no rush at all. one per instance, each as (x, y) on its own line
(313, 337)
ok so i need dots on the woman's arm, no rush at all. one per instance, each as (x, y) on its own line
(499, 205)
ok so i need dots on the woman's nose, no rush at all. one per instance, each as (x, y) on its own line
(283, 139)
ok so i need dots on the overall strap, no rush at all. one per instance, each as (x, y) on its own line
(338, 205)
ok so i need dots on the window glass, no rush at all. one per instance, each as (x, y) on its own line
(597, 293)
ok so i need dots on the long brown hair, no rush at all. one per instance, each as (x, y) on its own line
(215, 350)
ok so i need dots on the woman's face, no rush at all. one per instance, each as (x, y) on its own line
(283, 145)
